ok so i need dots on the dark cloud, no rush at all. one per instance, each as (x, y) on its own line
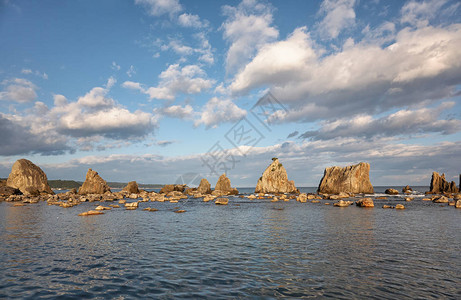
(293, 134)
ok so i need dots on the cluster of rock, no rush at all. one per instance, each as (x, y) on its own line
(351, 179)
(28, 183)
(439, 185)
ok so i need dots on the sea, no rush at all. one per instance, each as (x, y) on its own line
(249, 249)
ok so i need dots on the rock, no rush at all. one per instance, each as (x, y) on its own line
(167, 188)
(8, 191)
(114, 205)
(150, 209)
(439, 185)
(28, 178)
(302, 198)
(365, 202)
(342, 203)
(351, 179)
(441, 199)
(391, 192)
(387, 206)
(204, 187)
(180, 211)
(458, 204)
(131, 188)
(223, 186)
(93, 184)
(100, 207)
(221, 201)
(399, 206)
(275, 180)
(407, 189)
(408, 199)
(208, 198)
(131, 206)
(251, 197)
(91, 213)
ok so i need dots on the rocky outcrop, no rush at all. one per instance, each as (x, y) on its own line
(223, 186)
(351, 179)
(439, 185)
(204, 187)
(28, 178)
(93, 184)
(131, 188)
(275, 180)
(8, 191)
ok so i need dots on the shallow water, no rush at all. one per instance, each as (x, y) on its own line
(247, 249)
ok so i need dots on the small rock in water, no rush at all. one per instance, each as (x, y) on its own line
(222, 201)
(408, 199)
(91, 213)
(100, 207)
(391, 192)
(180, 211)
(114, 205)
(381, 198)
(441, 199)
(399, 206)
(342, 203)
(131, 206)
(458, 204)
(19, 204)
(387, 206)
(150, 209)
(365, 202)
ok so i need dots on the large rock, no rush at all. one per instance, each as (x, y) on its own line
(28, 178)
(275, 180)
(93, 184)
(204, 187)
(439, 185)
(8, 191)
(172, 187)
(350, 179)
(223, 186)
(391, 192)
(131, 187)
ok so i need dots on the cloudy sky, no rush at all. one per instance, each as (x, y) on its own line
(150, 90)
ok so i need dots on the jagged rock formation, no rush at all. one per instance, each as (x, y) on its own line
(131, 187)
(350, 179)
(439, 185)
(275, 180)
(223, 186)
(28, 178)
(204, 187)
(93, 184)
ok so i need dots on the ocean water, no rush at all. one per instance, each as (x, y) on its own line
(247, 249)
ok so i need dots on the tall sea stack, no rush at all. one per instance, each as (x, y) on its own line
(351, 179)
(275, 180)
(28, 178)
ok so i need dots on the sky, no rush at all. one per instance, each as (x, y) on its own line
(165, 91)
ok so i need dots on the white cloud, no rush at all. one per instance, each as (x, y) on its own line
(247, 28)
(218, 111)
(404, 122)
(18, 90)
(177, 111)
(339, 14)
(131, 71)
(190, 20)
(114, 66)
(420, 65)
(160, 7)
(203, 51)
(190, 79)
(37, 73)
(419, 13)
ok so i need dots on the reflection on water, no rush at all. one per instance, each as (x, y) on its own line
(254, 249)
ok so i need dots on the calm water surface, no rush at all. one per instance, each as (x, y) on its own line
(248, 249)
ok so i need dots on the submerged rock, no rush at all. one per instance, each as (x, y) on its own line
(28, 178)
(131, 188)
(350, 179)
(93, 184)
(275, 180)
(342, 203)
(439, 185)
(91, 213)
(407, 190)
(223, 186)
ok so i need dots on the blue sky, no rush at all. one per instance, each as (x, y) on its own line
(149, 90)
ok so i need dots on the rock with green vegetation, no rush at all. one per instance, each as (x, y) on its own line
(275, 180)
(93, 184)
